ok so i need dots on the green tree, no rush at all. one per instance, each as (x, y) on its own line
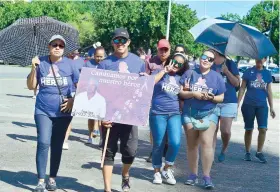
(232, 17)
(146, 22)
(261, 17)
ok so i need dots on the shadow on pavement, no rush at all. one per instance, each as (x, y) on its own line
(21, 124)
(22, 179)
(22, 96)
(22, 138)
(136, 172)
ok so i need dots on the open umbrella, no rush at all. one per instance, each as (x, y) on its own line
(232, 38)
(29, 37)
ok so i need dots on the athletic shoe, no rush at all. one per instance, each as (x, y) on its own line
(261, 157)
(149, 159)
(221, 157)
(125, 184)
(95, 133)
(247, 157)
(168, 176)
(51, 185)
(65, 146)
(192, 179)
(89, 141)
(208, 183)
(157, 178)
(41, 187)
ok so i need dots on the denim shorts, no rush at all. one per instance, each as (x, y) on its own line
(227, 109)
(214, 116)
(249, 113)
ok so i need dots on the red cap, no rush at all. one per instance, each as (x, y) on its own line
(163, 43)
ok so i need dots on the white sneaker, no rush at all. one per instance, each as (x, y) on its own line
(168, 176)
(157, 178)
(65, 146)
(89, 141)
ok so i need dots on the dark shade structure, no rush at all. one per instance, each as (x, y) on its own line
(233, 38)
(29, 37)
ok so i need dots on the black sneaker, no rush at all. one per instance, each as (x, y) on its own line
(41, 187)
(125, 184)
(247, 157)
(261, 157)
(149, 159)
(51, 185)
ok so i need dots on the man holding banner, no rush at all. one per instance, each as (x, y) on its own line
(122, 61)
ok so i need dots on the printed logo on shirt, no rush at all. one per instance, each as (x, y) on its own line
(259, 82)
(123, 67)
(50, 81)
(172, 86)
(201, 86)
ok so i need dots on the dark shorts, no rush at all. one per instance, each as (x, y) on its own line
(249, 113)
(128, 136)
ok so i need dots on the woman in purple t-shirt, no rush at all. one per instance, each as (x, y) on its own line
(203, 89)
(257, 80)
(165, 117)
(52, 109)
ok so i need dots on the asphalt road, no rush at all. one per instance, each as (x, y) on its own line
(80, 167)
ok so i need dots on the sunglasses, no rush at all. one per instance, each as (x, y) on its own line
(120, 41)
(180, 52)
(177, 64)
(209, 59)
(57, 45)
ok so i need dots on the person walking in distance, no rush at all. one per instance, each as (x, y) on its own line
(257, 80)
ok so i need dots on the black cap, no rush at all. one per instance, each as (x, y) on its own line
(120, 32)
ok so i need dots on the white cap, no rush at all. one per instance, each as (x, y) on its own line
(55, 37)
(97, 44)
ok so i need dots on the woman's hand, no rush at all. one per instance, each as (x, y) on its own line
(198, 95)
(107, 124)
(67, 105)
(169, 68)
(272, 113)
(208, 96)
(35, 62)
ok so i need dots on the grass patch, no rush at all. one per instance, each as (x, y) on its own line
(276, 95)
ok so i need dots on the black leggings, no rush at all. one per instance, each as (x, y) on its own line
(128, 136)
(50, 133)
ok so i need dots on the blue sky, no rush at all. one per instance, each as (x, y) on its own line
(217, 8)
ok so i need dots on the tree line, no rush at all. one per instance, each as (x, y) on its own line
(145, 20)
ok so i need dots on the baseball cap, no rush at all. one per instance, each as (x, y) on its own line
(163, 43)
(97, 44)
(120, 32)
(55, 37)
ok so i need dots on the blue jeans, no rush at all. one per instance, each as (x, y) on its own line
(249, 113)
(160, 126)
(50, 134)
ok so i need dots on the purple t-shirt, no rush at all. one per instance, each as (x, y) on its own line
(257, 81)
(79, 63)
(230, 94)
(165, 97)
(48, 100)
(130, 64)
(91, 64)
(153, 64)
(212, 82)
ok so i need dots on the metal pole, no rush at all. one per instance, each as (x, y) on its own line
(269, 34)
(168, 20)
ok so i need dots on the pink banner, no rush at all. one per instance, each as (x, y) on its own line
(119, 97)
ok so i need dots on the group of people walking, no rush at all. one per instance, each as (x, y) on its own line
(202, 99)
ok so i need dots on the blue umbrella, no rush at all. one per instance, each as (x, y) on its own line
(232, 38)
